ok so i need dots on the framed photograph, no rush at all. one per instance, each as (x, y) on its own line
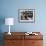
(26, 15)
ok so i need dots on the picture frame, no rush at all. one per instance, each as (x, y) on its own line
(26, 15)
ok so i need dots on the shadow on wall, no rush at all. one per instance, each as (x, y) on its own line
(2, 21)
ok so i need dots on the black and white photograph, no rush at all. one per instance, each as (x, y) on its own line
(26, 15)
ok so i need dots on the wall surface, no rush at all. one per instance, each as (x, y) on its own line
(9, 8)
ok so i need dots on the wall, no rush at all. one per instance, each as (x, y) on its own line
(9, 8)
